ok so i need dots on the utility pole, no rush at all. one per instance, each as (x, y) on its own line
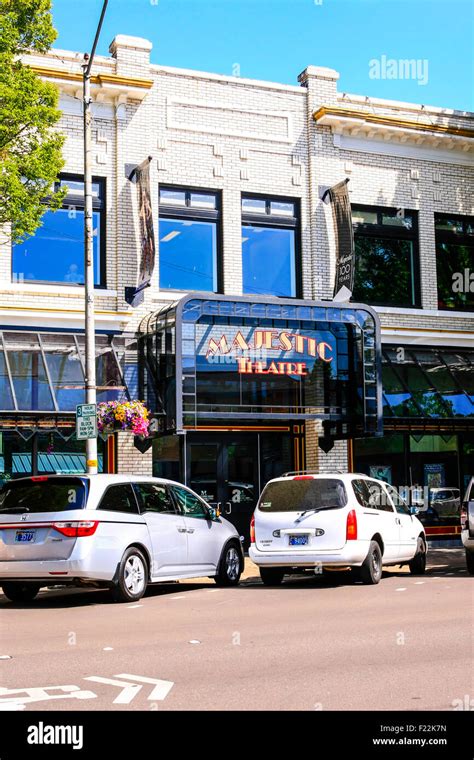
(91, 392)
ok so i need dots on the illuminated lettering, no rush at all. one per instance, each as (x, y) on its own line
(322, 347)
(285, 341)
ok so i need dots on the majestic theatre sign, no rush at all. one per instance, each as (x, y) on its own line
(213, 358)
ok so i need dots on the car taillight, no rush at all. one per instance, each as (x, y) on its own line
(303, 477)
(252, 530)
(351, 526)
(76, 529)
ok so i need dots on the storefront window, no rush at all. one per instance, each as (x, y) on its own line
(188, 234)
(427, 383)
(45, 371)
(269, 240)
(386, 256)
(26, 452)
(55, 253)
(454, 262)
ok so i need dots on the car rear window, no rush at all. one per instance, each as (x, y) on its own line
(298, 495)
(43, 495)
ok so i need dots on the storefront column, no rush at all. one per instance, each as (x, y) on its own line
(129, 460)
(317, 459)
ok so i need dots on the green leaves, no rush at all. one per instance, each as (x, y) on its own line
(30, 145)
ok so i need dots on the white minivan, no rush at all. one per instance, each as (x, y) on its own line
(306, 520)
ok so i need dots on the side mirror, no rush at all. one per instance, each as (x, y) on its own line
(214, 513)
(414, 511)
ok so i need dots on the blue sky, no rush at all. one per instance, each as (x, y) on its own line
(276, 39)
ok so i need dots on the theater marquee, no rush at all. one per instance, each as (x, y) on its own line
(269, 352)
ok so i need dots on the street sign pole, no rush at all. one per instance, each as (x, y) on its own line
(90, 374)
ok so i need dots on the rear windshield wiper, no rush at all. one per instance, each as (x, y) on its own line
(319, 509)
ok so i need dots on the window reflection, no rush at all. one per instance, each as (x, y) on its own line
(188, 255)
(268, 261)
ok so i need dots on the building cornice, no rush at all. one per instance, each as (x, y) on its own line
(334, 115)
(107, 84)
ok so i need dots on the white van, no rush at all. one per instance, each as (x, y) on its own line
(467, 526)
(304, 520)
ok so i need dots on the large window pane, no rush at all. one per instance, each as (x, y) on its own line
(188, 255)
(28, 372)
(384, 271)
(56, 252)
(6, 398)
(268, 261)
(65, 370)
(452, 261)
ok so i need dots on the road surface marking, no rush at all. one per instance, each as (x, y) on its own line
(194, 641)
(161, 688)
(130, 690)
(419, 583)
(108, 649)
(178, 597)
(5, 657)
(134, 606)
(40, 694)
(400, 589)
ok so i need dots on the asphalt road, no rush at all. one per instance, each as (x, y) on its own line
(312, 644)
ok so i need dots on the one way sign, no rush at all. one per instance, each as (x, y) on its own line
(129, 691)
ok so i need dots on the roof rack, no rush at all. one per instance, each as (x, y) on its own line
(313, 472)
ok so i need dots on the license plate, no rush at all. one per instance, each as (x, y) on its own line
(298, 540)
(25, 536)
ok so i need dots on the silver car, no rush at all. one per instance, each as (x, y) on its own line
(117, 531)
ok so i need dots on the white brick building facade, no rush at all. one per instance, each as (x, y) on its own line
(242, 136)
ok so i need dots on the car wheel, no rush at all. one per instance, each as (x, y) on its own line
(230, 567)
(132, 575)
(271, 576)
(371, 569)
(418, 563)
(20, 592)
(470, 562)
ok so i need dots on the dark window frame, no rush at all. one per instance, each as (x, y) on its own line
(459, 238)
(138, 484)
(99, 205)
(392, 232)
(270, 220)
(180, 511)
(193, 214)
(119, 511)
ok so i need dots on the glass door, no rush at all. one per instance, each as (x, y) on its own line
(224, 472)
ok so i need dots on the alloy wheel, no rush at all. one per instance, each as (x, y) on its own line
(134, 575)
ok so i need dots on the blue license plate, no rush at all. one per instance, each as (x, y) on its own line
(298, 540)
(25, 536)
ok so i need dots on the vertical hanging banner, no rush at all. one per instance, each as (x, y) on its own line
(141, 176)
(345, 253)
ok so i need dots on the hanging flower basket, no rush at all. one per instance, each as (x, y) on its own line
(129, 416)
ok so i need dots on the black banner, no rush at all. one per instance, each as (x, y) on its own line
(141, 175)
(91, 734)
(345, 255)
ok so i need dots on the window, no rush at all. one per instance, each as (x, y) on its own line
(189, 240)
(398, 500)
(297, 495)
(43, 495)
(119, 498)
(55, 253)
(154, 498)
(455, 262)
(378, 498)
(189, 503)
(386, 251)
(362, 492)
(270, 264)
